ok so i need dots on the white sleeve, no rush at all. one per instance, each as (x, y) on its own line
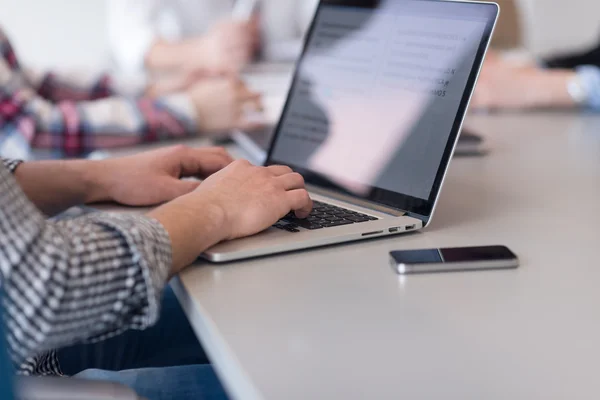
(132, 30)
(306, 11)
(284, 26)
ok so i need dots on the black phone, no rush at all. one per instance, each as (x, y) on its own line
(470, 144)
(453, 259)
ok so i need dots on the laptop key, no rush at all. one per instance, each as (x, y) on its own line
(356, 218)
(286, 227)
(338, 212)
(309, 225)
(323, 216)
(345, 215)
(338, 223)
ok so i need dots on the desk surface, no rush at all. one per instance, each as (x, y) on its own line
(337, 323)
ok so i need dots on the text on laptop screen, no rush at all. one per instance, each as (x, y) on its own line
(377, 92)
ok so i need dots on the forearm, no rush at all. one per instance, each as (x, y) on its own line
(54, 186)
(99, 275)
(76, 129)
(194, 224)
(71, 85)
(77, 280)
(551, 89)
(569, 88)
(166, 56)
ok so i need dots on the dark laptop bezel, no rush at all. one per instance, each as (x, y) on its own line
(416, 207)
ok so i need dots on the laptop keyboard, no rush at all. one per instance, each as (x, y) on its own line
(323, 216)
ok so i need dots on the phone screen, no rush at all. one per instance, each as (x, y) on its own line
(453, 255)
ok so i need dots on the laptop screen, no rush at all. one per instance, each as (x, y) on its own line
(379, 95)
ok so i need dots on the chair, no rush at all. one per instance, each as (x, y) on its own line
(42, 388)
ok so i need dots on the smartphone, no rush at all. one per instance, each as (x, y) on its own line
(453, 259)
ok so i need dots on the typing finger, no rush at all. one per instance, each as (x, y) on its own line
(300, 202)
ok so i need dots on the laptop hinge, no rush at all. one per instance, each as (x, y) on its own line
(356, 201)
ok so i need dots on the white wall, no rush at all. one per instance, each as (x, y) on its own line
(555, 25)
(57, 32)
(72, 32)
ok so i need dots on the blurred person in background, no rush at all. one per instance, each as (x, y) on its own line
(183, 37)
(61, 115)
(560, 81)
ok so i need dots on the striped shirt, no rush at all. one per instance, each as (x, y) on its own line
(48, 115)
(74, 281)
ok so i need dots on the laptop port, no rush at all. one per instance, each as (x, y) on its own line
(372, 233)
(411, 227)
(394, 230)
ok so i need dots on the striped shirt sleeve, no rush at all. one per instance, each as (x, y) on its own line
(73, 86)
(77, 128)
(11, 165)
(77, 280)
(74, 121)
(82, 85)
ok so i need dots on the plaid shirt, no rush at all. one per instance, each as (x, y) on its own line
(70, 117)
(79, 280)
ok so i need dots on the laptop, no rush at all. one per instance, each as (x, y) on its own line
(372, 119)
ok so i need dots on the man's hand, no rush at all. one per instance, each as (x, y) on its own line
(254, 198)
(227, 47)
(238, 201)
(223, 104)
(142, 180)
(506, 85)
(174, 83)
(154, 177)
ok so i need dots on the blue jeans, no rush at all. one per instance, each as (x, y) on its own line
(164, 362)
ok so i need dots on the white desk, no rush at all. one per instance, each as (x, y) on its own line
(337, 323)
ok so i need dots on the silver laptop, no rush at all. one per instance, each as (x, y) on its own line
(255, 144)
(372, 118)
